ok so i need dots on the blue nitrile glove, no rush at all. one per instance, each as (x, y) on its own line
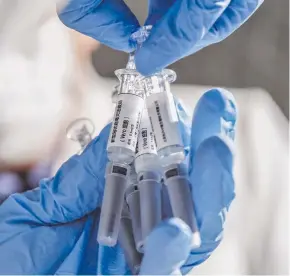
(110, 22)
(53, 229)
(180, 28)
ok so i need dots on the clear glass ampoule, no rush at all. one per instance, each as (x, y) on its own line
(121, 148)
(81, 131)
(164, 118)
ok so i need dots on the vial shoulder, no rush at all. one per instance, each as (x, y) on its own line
(120, 155)
(147, 162)
(173, 154)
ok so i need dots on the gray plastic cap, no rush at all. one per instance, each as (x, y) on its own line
(150, 202)
(133, 201)
(126, 239)
(182, 204)
(115, 186)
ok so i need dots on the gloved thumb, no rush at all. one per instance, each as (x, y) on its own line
(167, 248)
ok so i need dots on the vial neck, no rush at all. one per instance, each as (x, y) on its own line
(131, 62)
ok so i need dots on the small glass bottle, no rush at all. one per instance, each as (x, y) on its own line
(164, 120)
(149, 178)
(121, 147)
(81, 131)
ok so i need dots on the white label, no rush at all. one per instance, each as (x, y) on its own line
(170, 104)
(146, 139)
(166, 130)
(126, 122)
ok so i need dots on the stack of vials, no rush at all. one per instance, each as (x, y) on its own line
(146, 157)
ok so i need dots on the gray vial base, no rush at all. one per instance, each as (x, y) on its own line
(150, 202)
(133, 201)
(111, 209)
(126, 239)
(182, 204)
(166, 207)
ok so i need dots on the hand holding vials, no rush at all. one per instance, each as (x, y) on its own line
(146, 116)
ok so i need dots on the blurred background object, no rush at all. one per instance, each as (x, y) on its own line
(256, 55)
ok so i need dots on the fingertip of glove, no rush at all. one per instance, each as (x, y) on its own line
(177, 229)
(145, 62)
(169, 233)
(105, 132)
(166, 248)
(96, 152)
(101, 138)
(220, 100)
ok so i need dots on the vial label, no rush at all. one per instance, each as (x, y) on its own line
(146, 139)
(126, 122)
(165, 130)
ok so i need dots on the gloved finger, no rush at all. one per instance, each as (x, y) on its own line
(31, 250)
(176, 33)
(184, 124)
(156, 10)
(213, 192)
(210, 168)
(110, 21)
(112, 261)
(75, 190)
(166, 248)
(215, 114)
(236, 14)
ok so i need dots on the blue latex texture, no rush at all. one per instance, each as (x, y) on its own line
(180, 28)
(53, 228)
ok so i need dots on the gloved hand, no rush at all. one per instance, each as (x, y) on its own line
(180, 28)
(53, 229)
